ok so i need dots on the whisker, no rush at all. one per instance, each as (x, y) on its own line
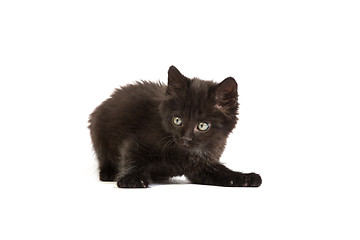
(159, 144)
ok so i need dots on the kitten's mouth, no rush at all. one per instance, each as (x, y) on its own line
(185, 144)
(182, 144)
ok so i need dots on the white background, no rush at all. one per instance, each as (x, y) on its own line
(297, 64)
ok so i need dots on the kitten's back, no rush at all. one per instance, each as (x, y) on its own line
(127, 109)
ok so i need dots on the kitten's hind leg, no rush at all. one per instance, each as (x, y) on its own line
(105, 153)
(107, 163)
(107, 172)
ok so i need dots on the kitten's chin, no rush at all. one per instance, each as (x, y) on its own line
(199, 152)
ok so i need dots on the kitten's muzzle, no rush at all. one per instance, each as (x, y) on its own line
(185, 141)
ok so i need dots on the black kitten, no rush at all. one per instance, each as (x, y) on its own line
(149, 131)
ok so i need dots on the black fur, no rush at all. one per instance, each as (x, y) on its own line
(136, 140)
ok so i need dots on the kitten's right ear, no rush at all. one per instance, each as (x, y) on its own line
(177, 82)
(226, 93)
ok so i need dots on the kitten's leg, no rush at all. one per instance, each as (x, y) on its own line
(132, 171)
(107, 158)
(107, 171)
(219, 175)
(134, 179)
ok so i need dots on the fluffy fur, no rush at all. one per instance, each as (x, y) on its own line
(137, 140)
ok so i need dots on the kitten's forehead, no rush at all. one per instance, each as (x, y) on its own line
(198, 96)
(200, 86)
(199, 90)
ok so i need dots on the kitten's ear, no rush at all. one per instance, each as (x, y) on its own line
(176, 81)
(226, 93)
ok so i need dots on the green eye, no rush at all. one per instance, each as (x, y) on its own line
(177, 121)
(203, 126)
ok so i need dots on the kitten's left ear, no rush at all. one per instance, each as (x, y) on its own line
(176, 81)
(226, 92)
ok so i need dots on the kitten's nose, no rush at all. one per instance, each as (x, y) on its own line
(186, 141)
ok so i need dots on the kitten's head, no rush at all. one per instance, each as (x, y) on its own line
(199, 114)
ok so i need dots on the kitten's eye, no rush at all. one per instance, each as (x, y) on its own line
(177, 121)
(203, 126)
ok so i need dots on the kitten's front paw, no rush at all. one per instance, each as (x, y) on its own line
(253, 180)
(132, 181)
(247, 180)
